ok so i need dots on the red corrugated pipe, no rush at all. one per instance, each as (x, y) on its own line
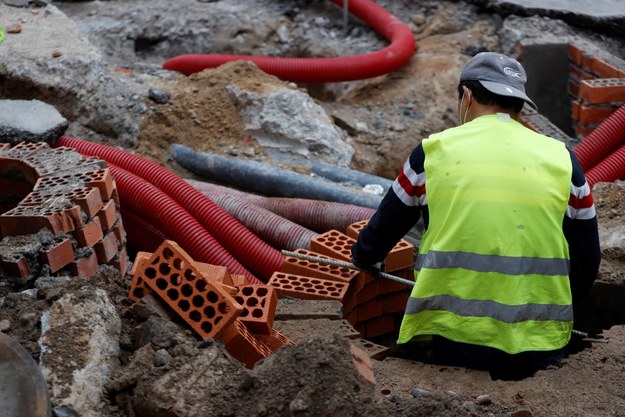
(316, 215)
(139, 196)
(602, 141)
(610, 169)
(324, 70)
(142, 236)
(246, 247)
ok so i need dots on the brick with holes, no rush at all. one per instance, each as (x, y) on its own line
(202, 304)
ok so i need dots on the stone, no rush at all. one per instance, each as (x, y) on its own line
(30, 121)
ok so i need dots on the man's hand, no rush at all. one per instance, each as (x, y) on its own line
(373, 270)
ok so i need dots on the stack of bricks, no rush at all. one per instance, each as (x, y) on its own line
(60, 214)
(372, 306)
(211, 301)
(596, 85)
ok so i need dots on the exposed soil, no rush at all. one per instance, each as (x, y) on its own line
(315, 377)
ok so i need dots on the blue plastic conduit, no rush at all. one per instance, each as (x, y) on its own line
(324, 70)
(252, 175)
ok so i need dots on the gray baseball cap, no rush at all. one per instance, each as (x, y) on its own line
(499, 74)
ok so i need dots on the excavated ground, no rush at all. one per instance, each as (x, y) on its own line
(398, 110)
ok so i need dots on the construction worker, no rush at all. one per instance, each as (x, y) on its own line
(510, 239)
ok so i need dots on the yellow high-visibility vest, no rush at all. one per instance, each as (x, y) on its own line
(493, 264)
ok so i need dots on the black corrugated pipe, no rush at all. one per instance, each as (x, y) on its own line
(274, 181)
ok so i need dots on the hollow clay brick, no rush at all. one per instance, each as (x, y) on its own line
(215, 273)
(138, 288)
(369, 310)
(395, 302)
(103, 180)
(379, 326)
(603, 90)
(121, 261)
(401, 255)
(298, 286)
(594, 114)
(16, 268)
(333, 244)
(90, 234)
(243, 345)
(108, 215)
(85, 267)
(238, 280)
(369, 291)
(107, 247)
(26, 220)
(293, 265)
(362, 363)
(204, 305)
(374, 350)
(347, 330)
(275, 340)
(259, 307)
(59, 255)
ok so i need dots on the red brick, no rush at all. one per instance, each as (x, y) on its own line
(108, 215)
(395, 302)
(203, 305)
(388, 285)
(89, 199)
(238, 280)
(333, 244)
(374, 350)
(362, 362)
(594, 114)
(90, 234)
(58, 256)
(575, 53)
(103, 180)
(604, 90)
(259, 307)
(11, 187)
(400, 257)
(576, 74)
(369, 310)
(85, 267)
(309, 288)
(120, 261)
(575, 106)
(138, 288)
(118, 229)
(347, 330)
(17, 268)
(107, 248)
(581, 130)
(297, 266)
(243, 345)
(368, 292)
(603, 69)
(573, 89)
(352, 318)
(215, 273)
(379, 326)
(275, 340)
(26, 220)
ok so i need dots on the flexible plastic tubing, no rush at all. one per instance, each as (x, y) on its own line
(252, 175)
(602, 141)
(142, 236)
(247, 248)
(279, 232)
(158, 208)
(316, 215)
(323, 70)
(610, 169)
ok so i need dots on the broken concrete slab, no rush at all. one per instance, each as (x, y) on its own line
(604, 15)
(30, 121)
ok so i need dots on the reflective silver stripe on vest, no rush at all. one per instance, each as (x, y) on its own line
(489, 308)
(509, 265)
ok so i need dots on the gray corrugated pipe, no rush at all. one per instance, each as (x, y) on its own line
(251, 175)
(316, 215)
(275, 230)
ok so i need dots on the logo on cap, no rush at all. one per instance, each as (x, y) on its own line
(512, 73)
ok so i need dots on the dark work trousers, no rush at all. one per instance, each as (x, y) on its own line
(499, 364)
